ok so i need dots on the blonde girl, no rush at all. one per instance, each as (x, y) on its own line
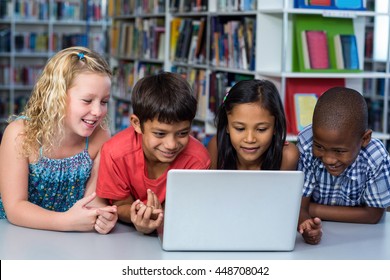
(49, 154)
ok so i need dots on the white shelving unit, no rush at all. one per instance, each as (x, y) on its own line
(275, 26)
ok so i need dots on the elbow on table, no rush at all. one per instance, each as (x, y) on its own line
(375, 216)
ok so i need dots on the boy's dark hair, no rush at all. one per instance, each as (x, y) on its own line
(166, 96)
(251, 91)
(341, 108)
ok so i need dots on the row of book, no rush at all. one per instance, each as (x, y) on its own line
(143, 38)
(67, 10)
(135, 7)
(31, 42)
(36, 9)
(5, 9)
(233, 43)
(315, 51)
(301, 94)
(5, 39)
(331, 4)
(19, 75)
(39, 42)
(184, 6)
(236, 5)
(90, 10)
(188, 40)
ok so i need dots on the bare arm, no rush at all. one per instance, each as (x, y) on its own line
(360, 214)
(14, 175)
(145, 218)
(107, 215)
(290, 157)
(123, 207)
(304, 211)
(213, 152)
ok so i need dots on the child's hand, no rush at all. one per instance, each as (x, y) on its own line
(80, 217)
(145, 218)
(107, 219)
(311, 230)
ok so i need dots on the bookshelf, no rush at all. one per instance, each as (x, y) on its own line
(277, 60)
(138, 48)
(31, 31)
(215, 61)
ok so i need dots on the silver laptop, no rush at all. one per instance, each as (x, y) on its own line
(226, 210)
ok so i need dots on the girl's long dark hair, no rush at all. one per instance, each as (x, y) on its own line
(251, 91)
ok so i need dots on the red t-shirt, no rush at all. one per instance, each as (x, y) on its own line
(122, 170)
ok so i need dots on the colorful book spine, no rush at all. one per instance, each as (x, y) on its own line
(317, 45)
(350, 52)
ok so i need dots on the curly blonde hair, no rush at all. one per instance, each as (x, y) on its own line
(45, 110)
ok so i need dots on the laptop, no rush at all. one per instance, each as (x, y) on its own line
(231, 210)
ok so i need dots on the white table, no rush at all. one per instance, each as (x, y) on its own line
(340, 241)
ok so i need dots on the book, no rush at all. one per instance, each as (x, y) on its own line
(338, 52)
(188, 30)
(305, 51)
(304, 104)
(193, 41)
(350, 51)
(349, 4)
(319, 2)
(200, 54)
(175, 32)
(317, 45)
(369, 43)
(304, 85)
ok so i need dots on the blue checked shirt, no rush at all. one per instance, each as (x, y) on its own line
(364, 183)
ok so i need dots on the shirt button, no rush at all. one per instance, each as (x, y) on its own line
(337, 186)
(333, 201)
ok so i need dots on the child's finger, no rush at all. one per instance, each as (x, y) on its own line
(317, 222)
(107, 215)
(134, 209)
(108, 208)
(151, 198)
(85, 200)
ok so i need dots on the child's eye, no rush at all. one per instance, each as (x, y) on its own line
(239, 128)
(262, 129)
(318, 147)
(104, 102)
(87, 100)
(159, 134)
(183, 134)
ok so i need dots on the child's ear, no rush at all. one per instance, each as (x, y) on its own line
(134, 120)
(366, 138)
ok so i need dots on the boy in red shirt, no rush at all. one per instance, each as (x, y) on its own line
(134, 163)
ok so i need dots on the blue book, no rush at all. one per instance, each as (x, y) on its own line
(349, 4)
(350, 52)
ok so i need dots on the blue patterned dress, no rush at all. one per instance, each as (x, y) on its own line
(56, 184)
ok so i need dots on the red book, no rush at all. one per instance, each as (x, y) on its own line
(317, 45)
(319, 2)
